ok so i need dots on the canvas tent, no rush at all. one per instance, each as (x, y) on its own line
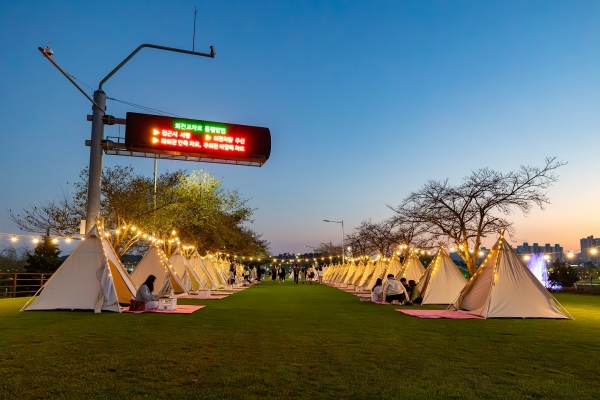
(91, 278)
(206, 280)
(380, 268)
(442, 281)
(393, 268)
(155, 263)
(413, 269)
(503, 287)
(184, 271)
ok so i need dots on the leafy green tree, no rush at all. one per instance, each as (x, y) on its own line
(44, 257)
(562, 274)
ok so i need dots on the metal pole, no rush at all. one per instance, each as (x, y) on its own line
(95, 172)
(343, 248)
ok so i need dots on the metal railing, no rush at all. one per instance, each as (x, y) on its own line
(21, 284)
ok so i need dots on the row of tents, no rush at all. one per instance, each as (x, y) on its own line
(93, 278)
(502, 287)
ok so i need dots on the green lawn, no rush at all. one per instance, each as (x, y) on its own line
(297, 341)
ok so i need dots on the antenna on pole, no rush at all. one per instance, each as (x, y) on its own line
(194, 37)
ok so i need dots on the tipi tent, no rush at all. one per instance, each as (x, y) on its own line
(503, 287)
(442, 281)
(380, 268)
(155, 263)
(393, 268)
(91, 278)
(206, 280)
(369, 269)
(360, 270)
(413, 269)
(184, 271)
(210, 268)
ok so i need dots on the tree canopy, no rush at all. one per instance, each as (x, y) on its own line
(187, 208)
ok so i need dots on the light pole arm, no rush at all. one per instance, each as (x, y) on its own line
(69, 78)
(154, 46)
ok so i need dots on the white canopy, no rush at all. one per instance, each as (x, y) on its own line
(442, 281)
(503, 287)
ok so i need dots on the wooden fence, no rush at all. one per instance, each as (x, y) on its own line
(21, 284)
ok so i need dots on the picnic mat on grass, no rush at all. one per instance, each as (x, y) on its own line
(181, 309)
(439, 314)
(364, 295)
(192, 297)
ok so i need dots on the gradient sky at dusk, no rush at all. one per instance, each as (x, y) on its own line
(366, 101)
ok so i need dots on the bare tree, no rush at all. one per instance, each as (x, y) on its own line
(467, 213)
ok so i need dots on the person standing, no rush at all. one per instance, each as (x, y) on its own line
(232, 268)
(311, 274)
(320, 273)
(296, 273)
(273, 273)
(303, 274)
(281, 273)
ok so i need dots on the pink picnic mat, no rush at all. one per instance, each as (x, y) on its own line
(439, 314)
(181, 309)
(363, 295)
(192, 297)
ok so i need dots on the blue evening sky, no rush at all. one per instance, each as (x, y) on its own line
(366, 100)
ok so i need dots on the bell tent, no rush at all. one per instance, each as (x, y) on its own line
(413, 269)
(155, 263)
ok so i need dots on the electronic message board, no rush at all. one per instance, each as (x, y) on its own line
(197, 138)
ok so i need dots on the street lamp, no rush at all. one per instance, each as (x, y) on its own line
(340, 222)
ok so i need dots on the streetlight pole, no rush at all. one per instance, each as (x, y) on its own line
(340, 222)
(99, 118)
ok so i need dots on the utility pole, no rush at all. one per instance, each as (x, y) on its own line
(99, 118)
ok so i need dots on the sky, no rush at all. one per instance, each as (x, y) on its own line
(366, 100)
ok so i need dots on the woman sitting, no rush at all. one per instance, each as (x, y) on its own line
(415, 293)
(145, 294)
(376, 292)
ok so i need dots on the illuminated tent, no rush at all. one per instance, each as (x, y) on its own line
(380, 268)
(360, 270)
(206, 280)
(91, 278)
(412, 270)
(351, 272)
(210, 268)
(155, 263)
(369, 269)
(442, 281)
(503, 287)
(184, 271)
(393, 268)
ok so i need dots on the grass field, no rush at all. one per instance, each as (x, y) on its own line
(297, 341)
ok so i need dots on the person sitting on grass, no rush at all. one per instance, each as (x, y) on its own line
(415, 293)
(376, 292)
(393, 291)
(406, 287)
(145, 294)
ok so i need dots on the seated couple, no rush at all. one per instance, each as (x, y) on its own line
(393, 291)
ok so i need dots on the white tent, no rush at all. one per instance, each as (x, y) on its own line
(380, 268)
(369, 269)
(183, 269)
(412, 270)
(360, 270)
(351, 272)
(91, 278)
(442, 281)
(155, 263)
(393, 268)
(503, 287)
(210, 268)
(206, 280)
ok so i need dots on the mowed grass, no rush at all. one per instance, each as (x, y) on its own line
(297, 341)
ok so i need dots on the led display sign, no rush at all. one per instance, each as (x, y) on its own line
(196, 138)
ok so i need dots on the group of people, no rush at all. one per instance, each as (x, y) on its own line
(396, 292)
(306, 273)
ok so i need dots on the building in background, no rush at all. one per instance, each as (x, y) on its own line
(590, 249)
(555, 252)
